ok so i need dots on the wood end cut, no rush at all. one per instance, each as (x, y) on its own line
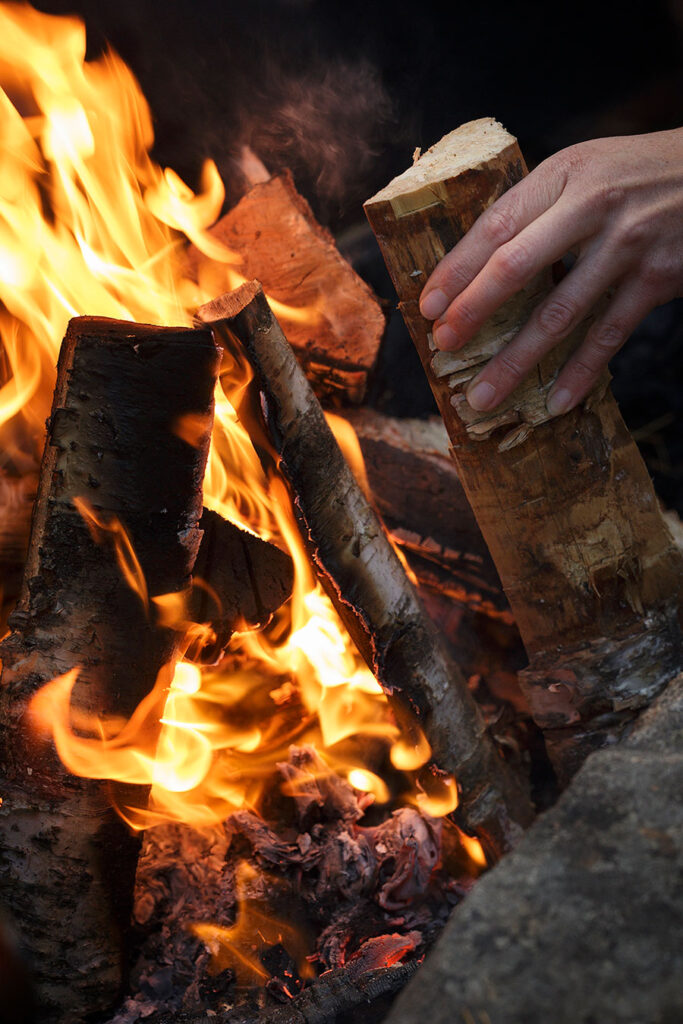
(468, 147)
(104, 327)
(228, 305)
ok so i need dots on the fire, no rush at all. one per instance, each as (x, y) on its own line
(255, 931)
(89, 224)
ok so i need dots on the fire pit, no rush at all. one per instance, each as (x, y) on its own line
(257, 744)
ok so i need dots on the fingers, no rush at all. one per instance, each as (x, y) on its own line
(517, 208)
(508, 270)
(605, 337)
(564, 308)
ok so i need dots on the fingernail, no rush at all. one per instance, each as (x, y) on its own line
(445, 337)
(433, 304)
(482, 396)
(559, 401)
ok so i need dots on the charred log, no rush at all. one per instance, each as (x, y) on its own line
(334, 993)
(246, 580)
(17, 494)
(362, 572)
(337, 324)
(566, 505)
(67, 862)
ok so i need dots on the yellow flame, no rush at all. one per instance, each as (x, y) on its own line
(368, 782)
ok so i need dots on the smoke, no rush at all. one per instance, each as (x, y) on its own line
(327, 124)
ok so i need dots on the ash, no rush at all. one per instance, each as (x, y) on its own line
(362, 896)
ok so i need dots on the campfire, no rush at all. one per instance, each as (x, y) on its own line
(260, 727)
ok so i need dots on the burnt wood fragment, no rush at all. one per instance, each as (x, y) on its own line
(334, 993)
(248, 579)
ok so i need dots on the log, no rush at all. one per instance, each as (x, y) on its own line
(334, 993)
(67, 861)
(362, 572)
(414, 485)
(247, 578)
(338, 335)
(566, 505)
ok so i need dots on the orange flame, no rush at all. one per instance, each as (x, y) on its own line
(254, 931)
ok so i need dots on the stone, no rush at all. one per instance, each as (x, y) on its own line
(583, 922)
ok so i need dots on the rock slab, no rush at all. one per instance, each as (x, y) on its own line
(583, 922)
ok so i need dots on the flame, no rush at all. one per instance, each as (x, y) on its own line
(473, 849)
(102, 527)
(254, 931)
(90, 224)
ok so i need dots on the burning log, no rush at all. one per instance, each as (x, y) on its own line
(67, 862)
(249, 577)
(337, 325)
(16, 502)
(566, 505)
(361, 570)
(335, 993)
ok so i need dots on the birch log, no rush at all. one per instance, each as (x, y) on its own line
(362, 572)
(566, 505)
(67, 862)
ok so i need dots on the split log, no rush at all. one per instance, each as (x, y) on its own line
(338, 332)
(361, 571)
(67, 862)
(566, 505)
(248, 577)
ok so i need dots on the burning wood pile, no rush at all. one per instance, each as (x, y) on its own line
(213, 637)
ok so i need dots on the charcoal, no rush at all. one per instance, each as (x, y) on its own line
(364, 897)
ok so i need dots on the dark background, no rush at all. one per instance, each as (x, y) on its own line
(342, 92)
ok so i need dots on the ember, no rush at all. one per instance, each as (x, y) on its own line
(216, 910)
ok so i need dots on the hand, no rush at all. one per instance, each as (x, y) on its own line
(618, 205)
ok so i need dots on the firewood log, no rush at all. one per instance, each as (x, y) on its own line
(249, 577)
(67, 862)
(338, 334)
(566, 505)
(360, 569)
(334, 993)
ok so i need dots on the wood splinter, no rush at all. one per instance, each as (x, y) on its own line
(362, 573)
(565, 505)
